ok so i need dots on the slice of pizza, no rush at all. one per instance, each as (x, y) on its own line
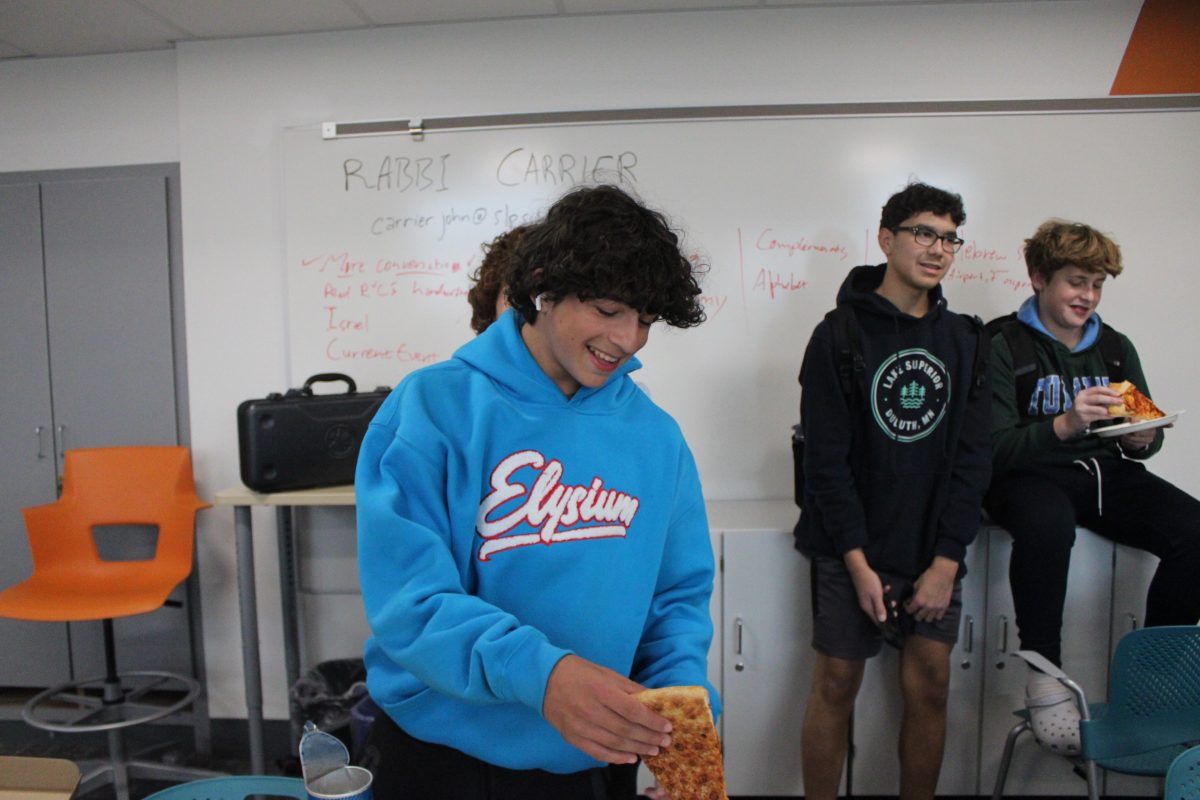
(1133, 403)
(690, 768)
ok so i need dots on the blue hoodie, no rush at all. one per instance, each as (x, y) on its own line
(502, 526)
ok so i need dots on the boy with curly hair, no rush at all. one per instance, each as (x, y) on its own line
(533, 545)
(487, 294)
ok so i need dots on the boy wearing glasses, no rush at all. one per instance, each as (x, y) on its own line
(895, 466)
(1051, 368)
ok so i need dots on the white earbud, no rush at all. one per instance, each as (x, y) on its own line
(537, 303)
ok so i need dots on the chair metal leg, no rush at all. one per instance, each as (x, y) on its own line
(1093, 779)
(121, 781)
(1009, 744)
(119, 776)
(118, 772)
(116, 754)
(153, 770)
(105, 774)
(123, 703)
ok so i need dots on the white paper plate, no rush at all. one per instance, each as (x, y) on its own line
(1109, 431)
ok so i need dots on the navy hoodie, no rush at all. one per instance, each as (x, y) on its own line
(901, 468)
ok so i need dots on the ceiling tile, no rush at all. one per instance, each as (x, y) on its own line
(214, 19)
(81, 27)
(624, 6)
(47, 28)
(389, 12)
(8, 51)
(777, 3)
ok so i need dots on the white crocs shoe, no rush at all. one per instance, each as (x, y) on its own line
(1053, 714)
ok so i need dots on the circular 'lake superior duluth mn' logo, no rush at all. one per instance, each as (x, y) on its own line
(909, 395)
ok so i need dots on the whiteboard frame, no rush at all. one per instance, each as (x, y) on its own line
(418, 127)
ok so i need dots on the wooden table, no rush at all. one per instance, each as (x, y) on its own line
(25, 777)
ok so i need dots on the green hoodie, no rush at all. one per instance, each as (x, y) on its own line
(1022, 441)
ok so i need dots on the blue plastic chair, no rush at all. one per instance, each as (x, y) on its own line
(237, 787)
(1183, 778)
(1153, 709)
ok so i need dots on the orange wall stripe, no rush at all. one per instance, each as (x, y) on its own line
(1163, 55)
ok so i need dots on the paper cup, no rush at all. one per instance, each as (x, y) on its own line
(344, 783)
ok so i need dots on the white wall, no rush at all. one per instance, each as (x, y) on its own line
(92, 111)
(235, 97)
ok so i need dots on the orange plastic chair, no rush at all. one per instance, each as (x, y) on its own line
(71, 582)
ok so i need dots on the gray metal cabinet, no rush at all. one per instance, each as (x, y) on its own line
(27, 474)
(88, 360)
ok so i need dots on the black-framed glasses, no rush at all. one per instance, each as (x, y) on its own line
(927, 236)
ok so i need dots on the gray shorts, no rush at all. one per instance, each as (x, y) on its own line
(842, 630)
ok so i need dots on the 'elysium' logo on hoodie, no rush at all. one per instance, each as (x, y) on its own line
(909, 394)
(587, 512)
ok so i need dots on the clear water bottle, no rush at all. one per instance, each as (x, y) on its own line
(328, 775)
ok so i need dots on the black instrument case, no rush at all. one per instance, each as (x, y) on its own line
(303, 440)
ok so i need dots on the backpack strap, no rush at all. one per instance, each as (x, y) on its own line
(847, 353)
(847, 347)
(1112, 352)
(983, 354)
(1024, 357)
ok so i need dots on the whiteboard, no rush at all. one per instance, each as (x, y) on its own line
(383, 232)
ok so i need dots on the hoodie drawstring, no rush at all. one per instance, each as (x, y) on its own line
(1099, 482)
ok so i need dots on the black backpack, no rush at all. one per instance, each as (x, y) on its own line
(1024, 352)
(847, 348)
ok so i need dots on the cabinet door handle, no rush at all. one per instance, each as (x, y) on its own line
(1003, 649)
(37, 432)
(737, 644)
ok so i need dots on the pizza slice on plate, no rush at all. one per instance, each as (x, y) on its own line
(1133, 404)
(690, 768)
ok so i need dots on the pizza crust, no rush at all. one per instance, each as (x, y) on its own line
(690, 768)
(1133, 404)
(1120, 387)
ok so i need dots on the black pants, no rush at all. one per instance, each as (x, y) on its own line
(406, 768)
(1041, 506)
